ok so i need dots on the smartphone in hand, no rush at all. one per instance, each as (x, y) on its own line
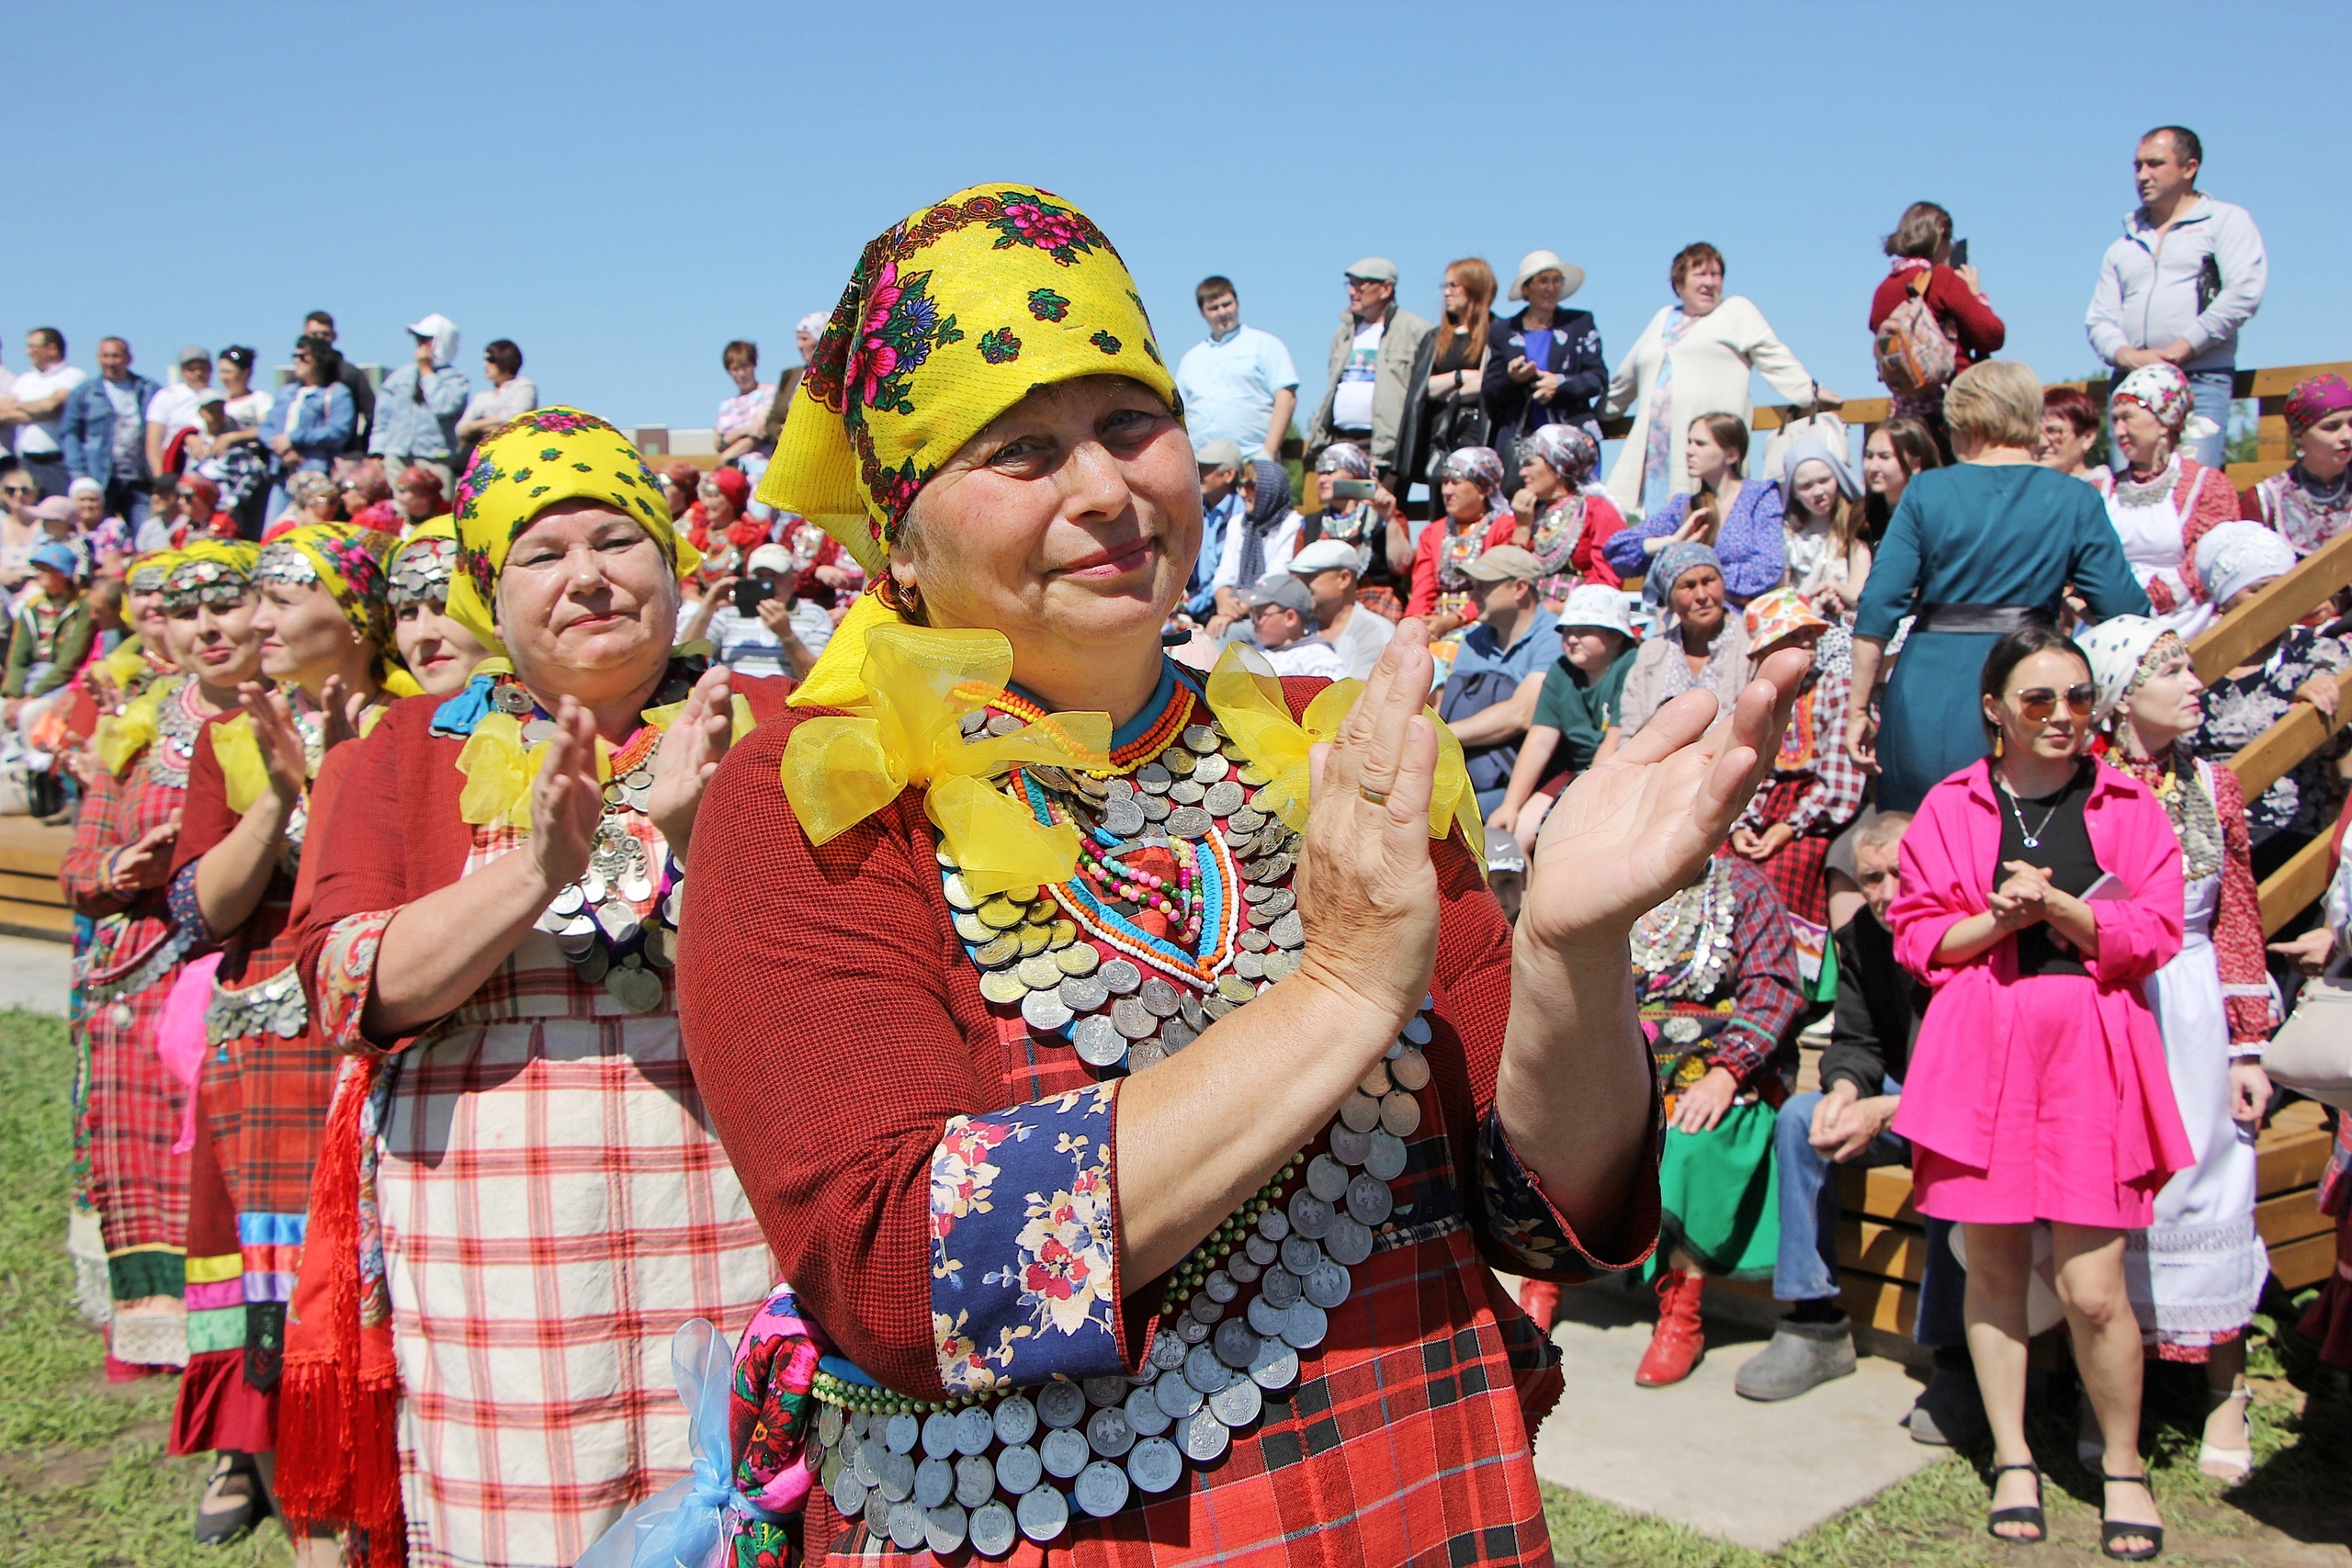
(1959, 253)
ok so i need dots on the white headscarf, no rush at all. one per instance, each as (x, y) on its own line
(2237, 553)
(2118, 648)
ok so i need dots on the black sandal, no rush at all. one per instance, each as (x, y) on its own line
(2030, 1514)
(234, 1487)
(2112, 1530)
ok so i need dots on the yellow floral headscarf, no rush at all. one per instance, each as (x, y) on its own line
(205, 563)
(951, 317)
(523, 467)
(348, 561)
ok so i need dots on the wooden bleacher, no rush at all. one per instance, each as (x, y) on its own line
(30, 901)
(1881, 1241)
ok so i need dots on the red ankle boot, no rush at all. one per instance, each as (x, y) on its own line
(1541, 1301)
(1678, 1341)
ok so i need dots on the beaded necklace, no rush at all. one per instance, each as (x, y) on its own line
(1179, 912)
(2196, 821)
(616, 925)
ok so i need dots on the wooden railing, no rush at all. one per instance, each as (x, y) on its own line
(2267, 387)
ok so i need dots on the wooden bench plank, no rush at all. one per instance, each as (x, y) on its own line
(2233, 638)
(2290, 1217)
(2305, 1262)
(1880, 1192)
(1893, 1252)
(40, 920)
(2289, 1162)
(31, 850)
(2262, 761)
(31, 889)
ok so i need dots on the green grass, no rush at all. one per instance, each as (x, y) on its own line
(83, 1478)
(85, 1481)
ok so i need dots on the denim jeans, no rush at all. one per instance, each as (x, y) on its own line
(1806, 1268)
(2211, 390)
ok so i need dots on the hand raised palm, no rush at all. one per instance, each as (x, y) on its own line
(1638, 827)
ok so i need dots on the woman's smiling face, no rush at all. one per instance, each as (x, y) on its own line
(1072, 519)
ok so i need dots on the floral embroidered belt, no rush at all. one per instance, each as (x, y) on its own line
(275, 1006)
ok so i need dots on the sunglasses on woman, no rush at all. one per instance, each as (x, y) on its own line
(20, 490)
(2036, 704)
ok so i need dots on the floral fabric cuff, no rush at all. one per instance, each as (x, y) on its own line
(1025, 1266)
(346, 975)
(1534, 1237)
(179, 896)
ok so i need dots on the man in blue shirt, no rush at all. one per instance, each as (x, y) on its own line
(1489, 697)
(1238, 386)
(1220, 507)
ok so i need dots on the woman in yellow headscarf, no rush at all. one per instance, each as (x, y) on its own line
(139, 1121)
(314, 604)
(1137, 1191)
(491, 935)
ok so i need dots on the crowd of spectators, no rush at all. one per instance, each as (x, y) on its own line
(1978, 581)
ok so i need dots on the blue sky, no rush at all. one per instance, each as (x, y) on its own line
(622, 188)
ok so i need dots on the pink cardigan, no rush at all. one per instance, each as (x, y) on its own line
(1949, 858)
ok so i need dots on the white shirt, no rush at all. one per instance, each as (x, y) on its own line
(248, 411)
(1360, 641)
(499, 405)
(1351, 400)
(171, 409)
(1307, 656)
(38, 438)
(1281, 545)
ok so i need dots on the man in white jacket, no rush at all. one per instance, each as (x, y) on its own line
(2187, 274)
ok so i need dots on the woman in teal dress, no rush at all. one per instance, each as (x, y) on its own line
(1974, 551)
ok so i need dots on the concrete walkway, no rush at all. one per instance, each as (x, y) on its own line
(1758, 1475)
(35, 974)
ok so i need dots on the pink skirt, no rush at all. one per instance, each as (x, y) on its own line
(2054, 1127)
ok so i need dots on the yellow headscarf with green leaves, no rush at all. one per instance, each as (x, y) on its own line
(525, 465)
(952, 316)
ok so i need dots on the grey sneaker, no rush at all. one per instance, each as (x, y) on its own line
(1951, 1412)
(1802, 1355)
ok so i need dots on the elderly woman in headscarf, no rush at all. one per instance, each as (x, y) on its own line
(1474, 520)
(718, 521)
(2310, 499)
(1700, 644)
(1088, 1140)
(1373, 525)
(2196, 1271)
(325, 642)
(2235, 562)
(491, 934)
(1562, 514)
(1260, 541)
(2161, 499)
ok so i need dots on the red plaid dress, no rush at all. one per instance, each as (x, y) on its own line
(837, 1027)
(263, 1099)
(553, 1205)
(133, 1111)
(1815, 789)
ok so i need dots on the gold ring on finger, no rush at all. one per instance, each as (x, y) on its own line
(1377, 796)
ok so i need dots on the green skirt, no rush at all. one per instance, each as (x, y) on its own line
(1719, 1191)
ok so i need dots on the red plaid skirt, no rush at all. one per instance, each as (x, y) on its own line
(138, 1185)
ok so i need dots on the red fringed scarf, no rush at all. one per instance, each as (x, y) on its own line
(338, 1435)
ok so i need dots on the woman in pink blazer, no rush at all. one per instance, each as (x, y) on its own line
(2038, 891)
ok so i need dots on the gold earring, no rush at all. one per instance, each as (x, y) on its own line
(1998, 738)
(901, 598)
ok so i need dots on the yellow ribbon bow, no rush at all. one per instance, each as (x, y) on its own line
(119, 738)
(919, 685)
(1250, 707)
(500, 768)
